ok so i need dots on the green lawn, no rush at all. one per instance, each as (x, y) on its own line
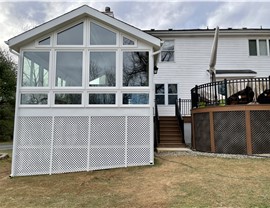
(175, 181)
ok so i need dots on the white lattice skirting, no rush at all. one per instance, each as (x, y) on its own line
(59, 144)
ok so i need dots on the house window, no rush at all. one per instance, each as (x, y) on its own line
(68, 69)
(127, 41)
(71, 36)
(167, 51)
(46, 41)
(102, 69)
(101, 36)
(263, 47)
(68, 98)
(104, 99)
(35, 72)
(135, 98)
(166, 94)
(136, 69)
(34, 99)
(258, 47)
(160, 94)
(172, 93)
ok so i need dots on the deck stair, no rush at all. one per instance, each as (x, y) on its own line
(170, 133)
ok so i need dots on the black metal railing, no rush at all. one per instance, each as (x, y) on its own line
(184, 106)
(156, 127)
(179, 118)
(229, 92)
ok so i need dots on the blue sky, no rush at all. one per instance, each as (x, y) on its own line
(19, 16)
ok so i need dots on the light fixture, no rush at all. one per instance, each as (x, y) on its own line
(155, 69)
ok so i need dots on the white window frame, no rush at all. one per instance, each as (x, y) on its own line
(166, 93)
(128, 46)
(258, 47)
(168, 50)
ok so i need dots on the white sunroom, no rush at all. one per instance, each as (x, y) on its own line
(85, 95)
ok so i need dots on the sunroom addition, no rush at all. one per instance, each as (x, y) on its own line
(84, 97)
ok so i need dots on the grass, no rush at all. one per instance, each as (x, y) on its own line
(175, 181)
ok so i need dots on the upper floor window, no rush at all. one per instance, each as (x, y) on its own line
(35, 71)
(127, 41)
(135, 69)
(71, 36)
(45, 41)
(258, 47)
(167, 51)
(101, 36)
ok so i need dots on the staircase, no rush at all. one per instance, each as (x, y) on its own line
(170, 133)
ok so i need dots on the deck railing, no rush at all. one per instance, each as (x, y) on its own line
(184, 106)
(179, 118)
(228, 92)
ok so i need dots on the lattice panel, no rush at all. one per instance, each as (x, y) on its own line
(138, 130)
(32, 146)
(260, 131)
(138, 156)
(202, 132)
(107, 142)
(107, 131)
(70, 143)
(230, 132)
(104, 158)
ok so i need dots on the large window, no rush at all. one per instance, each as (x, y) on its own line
(259, 47)
(71, 36)
(68, 69)
(35, 72)
(167, 51)
(102, 69)
(135, 69)
(101, 36)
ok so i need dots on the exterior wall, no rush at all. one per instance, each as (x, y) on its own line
(192, 56)
(57, 138)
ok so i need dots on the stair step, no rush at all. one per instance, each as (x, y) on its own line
(172, 145)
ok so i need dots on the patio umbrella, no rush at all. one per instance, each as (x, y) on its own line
(213, 57)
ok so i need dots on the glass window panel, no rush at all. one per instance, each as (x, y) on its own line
(127, 41)
(252, 48)
(263, 47)
(71, 36)
(63, 99)
(172, 99)
(68, 69)
(159, 89)
(172, 88)
(172, 93)
(35, 72)
(167, 53)
(160, 99)
(45, 41)
(136, 98)
(102, 99)
(34, 99)
(102, 69)
(101, 36)
(135, 69)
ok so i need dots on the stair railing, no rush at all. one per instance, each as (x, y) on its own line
(156, 127)
(179, 117)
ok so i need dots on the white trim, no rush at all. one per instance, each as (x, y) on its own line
(15, 42)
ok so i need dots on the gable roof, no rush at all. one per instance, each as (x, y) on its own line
(16, 42)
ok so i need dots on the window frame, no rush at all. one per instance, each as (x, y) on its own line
(34, 105)
(43, 38)
(258, 51)
(67, 105)
(128, 37)
(106, 27)
(166, 93)
(160, 59)
(83, 21)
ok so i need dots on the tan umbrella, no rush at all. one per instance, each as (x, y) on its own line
(213, 57)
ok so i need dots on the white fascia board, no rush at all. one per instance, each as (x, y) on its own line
(80, 12)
